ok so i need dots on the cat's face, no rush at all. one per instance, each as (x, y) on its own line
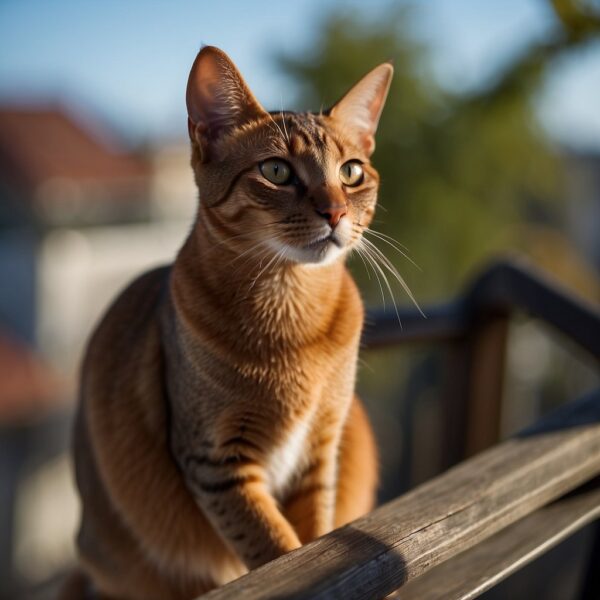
(283, 186)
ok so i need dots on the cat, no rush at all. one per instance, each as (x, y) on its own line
(217, 426)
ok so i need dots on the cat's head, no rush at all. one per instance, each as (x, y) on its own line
(285, 186)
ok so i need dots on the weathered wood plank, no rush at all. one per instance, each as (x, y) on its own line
(401, 540)
(474, 571)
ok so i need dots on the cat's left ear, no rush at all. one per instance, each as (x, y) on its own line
(217, 98)
(361, 107)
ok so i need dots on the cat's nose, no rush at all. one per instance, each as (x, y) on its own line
(333, 214)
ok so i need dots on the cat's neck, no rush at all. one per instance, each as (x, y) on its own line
(253, 302)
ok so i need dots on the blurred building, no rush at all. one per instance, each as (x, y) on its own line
(80, 215)
(56, 170)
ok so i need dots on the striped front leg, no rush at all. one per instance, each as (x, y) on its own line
(232, 491)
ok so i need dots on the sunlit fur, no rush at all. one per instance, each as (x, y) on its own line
(218, 426)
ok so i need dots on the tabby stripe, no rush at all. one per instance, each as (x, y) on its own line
(241, 441)
(227, 484)
(305, 137)
(210, 462)
(230, 187)
(217, 225)
(319, 139)
(254, 556)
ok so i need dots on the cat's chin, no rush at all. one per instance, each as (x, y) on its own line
(319, 257)
(317, 254)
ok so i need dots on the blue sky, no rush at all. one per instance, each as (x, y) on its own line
(128, 60)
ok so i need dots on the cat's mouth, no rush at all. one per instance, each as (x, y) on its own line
(323, 241)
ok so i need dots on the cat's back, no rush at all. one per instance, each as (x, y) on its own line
(124, 358)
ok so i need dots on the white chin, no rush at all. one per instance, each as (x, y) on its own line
(318, 256)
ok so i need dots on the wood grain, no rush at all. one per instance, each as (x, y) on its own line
(403, 539)
(476, 570)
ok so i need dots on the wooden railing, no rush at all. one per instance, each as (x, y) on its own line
(465, 530)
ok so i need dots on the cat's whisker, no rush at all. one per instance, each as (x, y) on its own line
(232, 237)
(387, 237)
(363, 363)
(283, 119)
(247, 262)
(393, 243)
(246, 234)
(357, 248)
(253, 283)
(283, 257)
(384, 261)
(277, 126)
(369, 259)
(260, 257)
(248, 250)
(376, 262)
(261, 242)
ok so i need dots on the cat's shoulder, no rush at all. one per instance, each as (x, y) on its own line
(133, 310)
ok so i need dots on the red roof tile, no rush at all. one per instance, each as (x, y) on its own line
(38, 144)
(28, 387)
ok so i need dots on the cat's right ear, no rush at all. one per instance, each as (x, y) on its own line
(217, 98)
(361, 107)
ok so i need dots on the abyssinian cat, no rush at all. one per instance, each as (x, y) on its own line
(218, 427)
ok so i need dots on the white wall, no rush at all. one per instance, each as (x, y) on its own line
(80, 271)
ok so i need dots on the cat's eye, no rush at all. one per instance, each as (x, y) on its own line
(276, 171)
(351, 173)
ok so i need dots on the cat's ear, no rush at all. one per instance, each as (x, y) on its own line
(217, 97)
(361, 107)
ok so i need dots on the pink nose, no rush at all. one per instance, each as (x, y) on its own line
(333, 214)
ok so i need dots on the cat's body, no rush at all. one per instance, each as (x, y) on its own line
(218, 427)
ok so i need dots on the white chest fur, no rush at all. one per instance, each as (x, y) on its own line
(287, 458)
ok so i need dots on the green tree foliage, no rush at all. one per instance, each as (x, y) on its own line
(457, 170)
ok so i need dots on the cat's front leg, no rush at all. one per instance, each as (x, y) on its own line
(234, 495)
(311, 507)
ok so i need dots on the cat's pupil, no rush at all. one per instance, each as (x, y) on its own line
(275, 168)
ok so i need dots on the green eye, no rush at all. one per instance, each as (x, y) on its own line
(276, 171)
(351, 173)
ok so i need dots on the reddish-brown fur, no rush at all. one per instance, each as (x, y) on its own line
(217, 426)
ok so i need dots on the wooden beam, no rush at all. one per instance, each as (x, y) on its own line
(476, 570)
(403, 539)
(505, 287)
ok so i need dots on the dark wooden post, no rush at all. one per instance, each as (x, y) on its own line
(473, 389)
(486, 382)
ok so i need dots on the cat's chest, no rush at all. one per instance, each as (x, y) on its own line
(288, 457)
